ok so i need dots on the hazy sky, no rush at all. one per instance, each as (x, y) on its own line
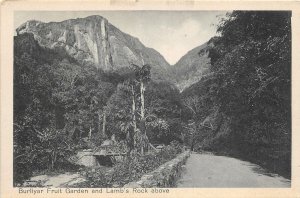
(172, 33)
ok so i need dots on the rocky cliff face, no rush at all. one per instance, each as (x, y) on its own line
(93, 40)
(191, 67)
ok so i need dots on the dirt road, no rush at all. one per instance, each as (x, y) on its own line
(208, 171)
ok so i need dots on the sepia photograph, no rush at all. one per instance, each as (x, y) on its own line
(152, 99)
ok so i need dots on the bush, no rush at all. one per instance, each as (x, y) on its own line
(21, 172)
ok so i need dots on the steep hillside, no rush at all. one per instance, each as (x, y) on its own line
(191, 67)
(243, 107)
(93, 40)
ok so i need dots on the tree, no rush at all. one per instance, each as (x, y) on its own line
(142, 76)
(163, 112)
(55, 98)
(251, 67)
(121, 121)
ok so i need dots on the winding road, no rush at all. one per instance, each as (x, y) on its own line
(208, 171)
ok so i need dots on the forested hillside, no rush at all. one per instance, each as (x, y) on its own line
(243, 107)
(232, 95)
(61, 106)
(191, 67)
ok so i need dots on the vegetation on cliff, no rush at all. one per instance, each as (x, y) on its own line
(243, 107)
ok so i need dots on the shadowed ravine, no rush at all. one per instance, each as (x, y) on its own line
(205, 170)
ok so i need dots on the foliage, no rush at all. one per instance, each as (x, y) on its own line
(163, 117)
(61, 106)
(56, 103)
(248, 92)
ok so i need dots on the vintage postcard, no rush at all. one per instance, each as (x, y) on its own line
(149, 99)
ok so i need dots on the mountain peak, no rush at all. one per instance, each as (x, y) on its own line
(94, 17)
(93, 40)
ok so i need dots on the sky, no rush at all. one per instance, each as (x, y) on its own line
(171, 33)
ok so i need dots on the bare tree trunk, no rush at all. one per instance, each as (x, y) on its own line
(90, 133)
(133, 116)
(192, 146)
(142, 150)
(99, 122)
(133, 110)
(104, 124)
(80, 133)
(54, 160)
(143, 121)
(53, 156)
(142, 89)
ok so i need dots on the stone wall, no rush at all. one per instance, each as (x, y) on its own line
(163, 176)
(86, 158)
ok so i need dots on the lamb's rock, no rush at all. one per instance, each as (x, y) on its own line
(93, 40)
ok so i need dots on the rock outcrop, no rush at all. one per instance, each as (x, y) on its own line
(93, 40)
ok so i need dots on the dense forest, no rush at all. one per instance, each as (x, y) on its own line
(61, 107)
(241, 107)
